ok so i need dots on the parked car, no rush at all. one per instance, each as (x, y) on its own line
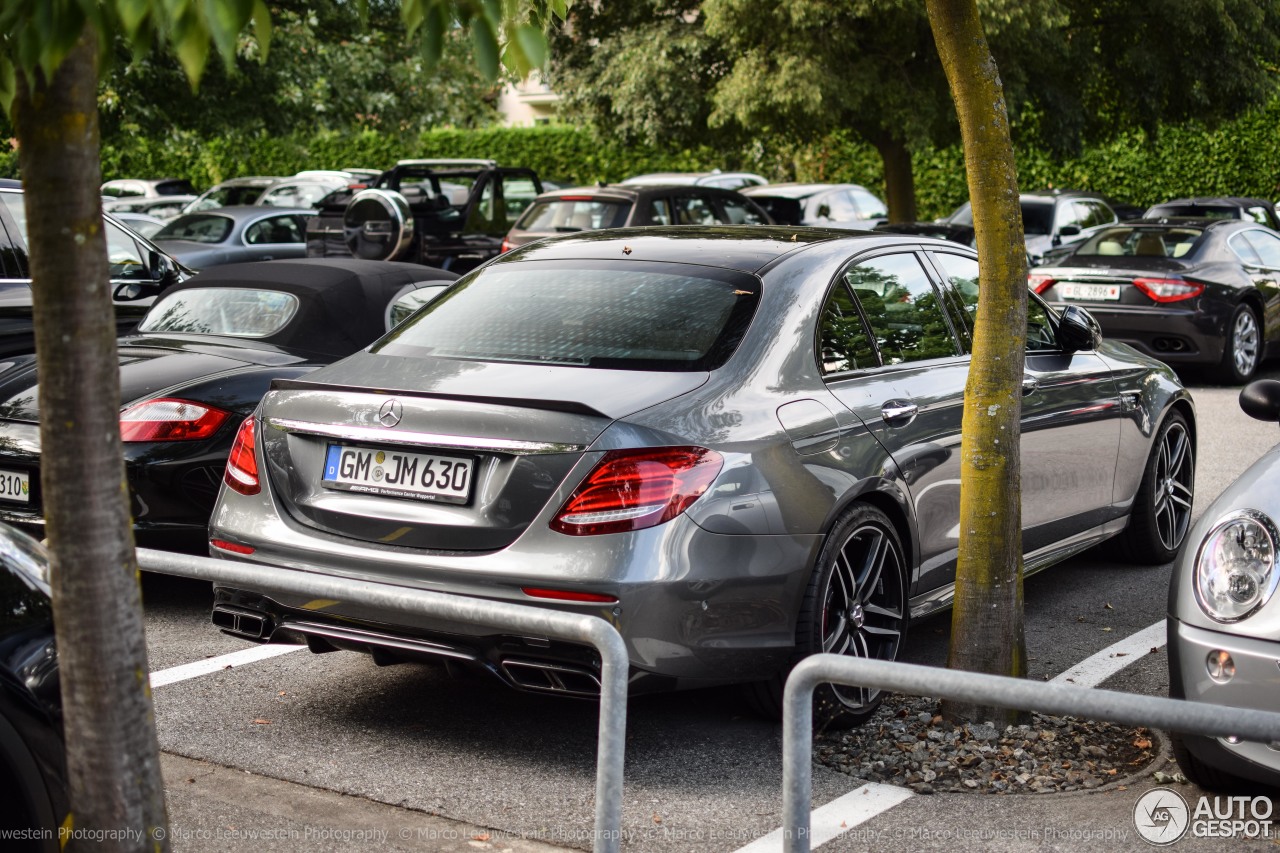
(233, 193)
(1187, 291)
(129, 188)
(592, 208)
(714, 178)
(203, 356)
(162, 207)
(136, 263)
(1218, 207)
(233, 235)
(1051, 219)
(1224, 616)
(451, 214)
(825, 205)
(34, 787)
(739, 446)
(306, 189)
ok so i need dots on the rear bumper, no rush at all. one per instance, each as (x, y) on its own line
(1172, 334)
(1256, 684)
(694, 608)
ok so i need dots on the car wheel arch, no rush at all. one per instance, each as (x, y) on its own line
(889, 498)
(19, 766)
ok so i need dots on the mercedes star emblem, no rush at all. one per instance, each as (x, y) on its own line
(390, 413)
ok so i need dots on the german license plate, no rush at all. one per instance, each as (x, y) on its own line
(1093, 292)
(398, 473)
(15, 486)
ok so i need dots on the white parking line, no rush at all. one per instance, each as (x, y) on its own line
(173, 674)
(838, 816)
(1096, 669)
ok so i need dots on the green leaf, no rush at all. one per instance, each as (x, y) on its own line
(533, 44)
(225, 19)
(262, 26)
(485, 43)
(412, 14)
(433, 35)
(190, 42)
(132, 13)
(8, 84)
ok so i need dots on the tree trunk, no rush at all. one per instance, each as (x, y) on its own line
(112, 754)
(899, 179)
(987, 621)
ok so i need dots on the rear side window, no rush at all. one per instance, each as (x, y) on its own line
(602, 314)
(566, 215)
(902, 309)
(738, 213)
(235, 311)
(199, 227)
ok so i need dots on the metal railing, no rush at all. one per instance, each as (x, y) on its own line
(1001, 691)
(575, 627)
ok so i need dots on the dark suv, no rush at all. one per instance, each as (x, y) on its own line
(619, 206)
(451, 214)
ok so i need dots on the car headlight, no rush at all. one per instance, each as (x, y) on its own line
(1235, 570)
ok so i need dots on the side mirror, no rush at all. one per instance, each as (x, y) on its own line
(1077, 330)
(128, 292)
(824, 211)
(1069, 231)
(1261, 399)
(164, 272)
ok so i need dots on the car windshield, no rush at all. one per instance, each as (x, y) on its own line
(197, 227)
(568, 214)
(233, 311)
(632, 315)
(1144, 241)
(230, 196)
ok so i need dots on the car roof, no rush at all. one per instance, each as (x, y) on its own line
(242, 212)
(747, 248)
(1224, 200)
(631, 192)
(342, 301)
(794, 190)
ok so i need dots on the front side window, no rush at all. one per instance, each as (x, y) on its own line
(695, 210)
(599, 314)
(124, 255)
(737, 213)
(660, 212)
(275, 229)
(962, 272)
(902, 309)
(517, 194)
(869, 207)
(1267, 246)
(234, 311)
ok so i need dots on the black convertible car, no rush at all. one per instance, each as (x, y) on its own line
(203, 357)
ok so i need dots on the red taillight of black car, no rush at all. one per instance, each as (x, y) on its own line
(242, 462)
(1040, 283)
(635, 489)
(170, 419)
(1168, 289)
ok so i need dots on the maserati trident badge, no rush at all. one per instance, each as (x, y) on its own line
(390, 413)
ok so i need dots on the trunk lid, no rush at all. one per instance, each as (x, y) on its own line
(355, 449)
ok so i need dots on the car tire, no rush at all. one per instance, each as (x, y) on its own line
(1242, 351)
(1199, 773)
(856, 604)
(1162, 508)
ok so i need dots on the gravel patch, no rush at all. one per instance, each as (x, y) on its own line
(907, 743)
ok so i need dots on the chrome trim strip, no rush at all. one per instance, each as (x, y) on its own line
(382, 435)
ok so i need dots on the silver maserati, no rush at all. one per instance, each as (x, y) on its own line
(738, 445)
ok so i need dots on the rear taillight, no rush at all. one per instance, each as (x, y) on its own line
(635, 489)
(170, 419)
(242, 462)
(506, 245)
(1168, 289)
(1039, 283)
(233, 547)
(569, 595)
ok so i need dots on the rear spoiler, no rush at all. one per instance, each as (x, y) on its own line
(566, 406)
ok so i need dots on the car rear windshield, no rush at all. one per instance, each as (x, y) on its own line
(197, 227)
(565, 215)
(234, 311)
(630, 315)
(1140, 242)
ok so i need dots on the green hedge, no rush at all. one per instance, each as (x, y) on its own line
(1238, 158)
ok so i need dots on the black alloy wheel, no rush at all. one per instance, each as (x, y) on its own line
(1162, 508)
(856, 605)
(1243, 350)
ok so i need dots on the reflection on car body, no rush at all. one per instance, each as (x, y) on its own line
(737, 444)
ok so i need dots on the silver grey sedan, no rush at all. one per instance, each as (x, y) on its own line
(1224, 616)
(740, 446)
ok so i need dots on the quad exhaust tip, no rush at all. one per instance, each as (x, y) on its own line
(551, 678)
(241, 623)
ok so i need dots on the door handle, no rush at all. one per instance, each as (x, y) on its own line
(1029, 385)
(898, 413)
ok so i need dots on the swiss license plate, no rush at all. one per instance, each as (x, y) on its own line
(1094, 292)
(399, 474)
(15, 486)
